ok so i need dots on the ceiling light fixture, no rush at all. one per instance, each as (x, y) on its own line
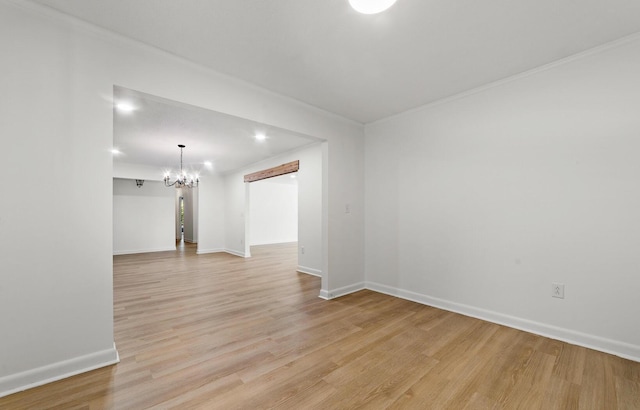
(261, 137)
(182, 180)
(371, 6)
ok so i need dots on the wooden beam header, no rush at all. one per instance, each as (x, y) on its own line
(283, 169)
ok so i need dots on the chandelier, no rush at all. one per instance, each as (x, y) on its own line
(183, 180)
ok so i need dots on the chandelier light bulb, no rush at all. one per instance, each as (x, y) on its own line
(371, 6)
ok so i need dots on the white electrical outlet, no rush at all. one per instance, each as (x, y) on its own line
(557, 290)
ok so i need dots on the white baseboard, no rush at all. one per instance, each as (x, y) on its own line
(221, 250)
(274, 243)
(204, 251)
(56, 371)
(237, 253)
(345, 290)
(614, 347)
(130, 252)
(309, 271)
(324, 294)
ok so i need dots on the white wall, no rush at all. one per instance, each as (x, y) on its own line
(273, 209)
(56, 293)
(310, 182)
(137, 171)
(235, 210)
(479, 203)
(143, 218)
(56, 113)
(195, 215)
(211, 215)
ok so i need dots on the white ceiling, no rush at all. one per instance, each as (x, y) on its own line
(149, 135)
(362, 67)
(366, 67)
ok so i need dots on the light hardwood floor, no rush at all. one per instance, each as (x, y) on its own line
(221, 332)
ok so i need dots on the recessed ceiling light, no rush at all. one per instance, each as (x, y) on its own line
(208, 164)
(261, 137)
(371, 6)
(115, 151)
(125, 107)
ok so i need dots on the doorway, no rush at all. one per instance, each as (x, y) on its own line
(180, 219)
(288, 208)
(273, 210)
(218, 146)
(187, 215)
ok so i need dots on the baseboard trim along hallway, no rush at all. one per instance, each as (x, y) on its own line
(57, 371)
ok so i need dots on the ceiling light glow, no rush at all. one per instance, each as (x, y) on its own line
(124, 107)
(261, 137)
(371, 6)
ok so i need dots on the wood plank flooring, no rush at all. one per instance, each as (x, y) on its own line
(221, 332)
